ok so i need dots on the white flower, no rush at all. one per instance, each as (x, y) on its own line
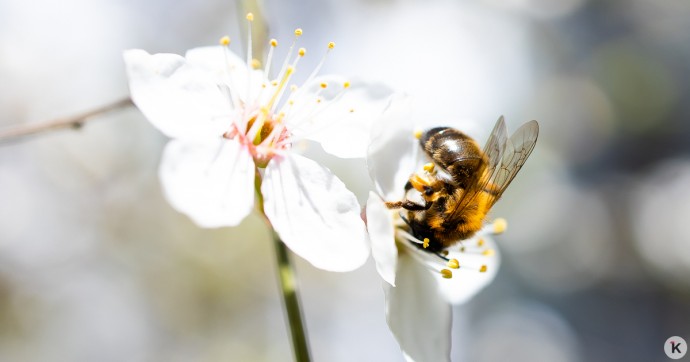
(233, 126)
(421, 286)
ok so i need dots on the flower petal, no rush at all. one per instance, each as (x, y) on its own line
(180, 100)
(314, 214)
(419, 318)
(393, 151)
(211, 182)
(226, 65)
(467, 282)
(382, 237)
(341, 120)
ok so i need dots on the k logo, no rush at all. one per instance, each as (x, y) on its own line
(675, 347)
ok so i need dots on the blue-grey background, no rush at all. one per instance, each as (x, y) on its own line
(96, 266)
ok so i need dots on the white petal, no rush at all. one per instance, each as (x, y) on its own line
(382, 237)
(419, 318)
(314, 214)
(467, 282)
(226, 65)
(391, 157)
(180, 100)
(341, 122)
(211, 182)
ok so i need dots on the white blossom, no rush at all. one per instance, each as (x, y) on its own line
(420, 285)
(233, 123)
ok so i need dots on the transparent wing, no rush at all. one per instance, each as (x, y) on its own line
(493, 149)
(517, 150)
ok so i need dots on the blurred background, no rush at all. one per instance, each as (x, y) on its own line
(96, 266)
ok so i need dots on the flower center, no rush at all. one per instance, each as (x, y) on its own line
(449, 259)
(264, 106)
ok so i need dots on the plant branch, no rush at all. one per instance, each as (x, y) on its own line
(74, 122)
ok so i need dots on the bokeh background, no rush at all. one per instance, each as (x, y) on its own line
(96, 266)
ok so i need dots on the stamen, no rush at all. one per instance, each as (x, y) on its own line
(453, 264)
(483, 269)
(489, 252)
(500, 226)
(256, 64)
(425, 244)
(418, 134)
(316, 70)
(346, 85)
(446, 273)
(281, 86)
(409, 237)
(323, 85)
(269, 58)
(429, 167)
(250, 19)
(225, 41)
(298, 33)
(480, 242)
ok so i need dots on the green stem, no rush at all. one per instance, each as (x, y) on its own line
(288, 286)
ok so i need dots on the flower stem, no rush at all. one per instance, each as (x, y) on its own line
(288, 285)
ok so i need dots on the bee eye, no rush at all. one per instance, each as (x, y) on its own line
(428, 190)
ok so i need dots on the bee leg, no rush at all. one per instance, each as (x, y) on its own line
(407, 205)
(411, 206)
(408, 186)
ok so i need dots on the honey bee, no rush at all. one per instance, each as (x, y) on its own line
(462, 182)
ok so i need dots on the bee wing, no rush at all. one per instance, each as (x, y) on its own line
(516, 151)
(496, 143)
(493, 150)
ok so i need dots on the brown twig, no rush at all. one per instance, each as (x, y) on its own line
(75, 122)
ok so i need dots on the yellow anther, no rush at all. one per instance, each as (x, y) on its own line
(280, 117)
(298, 32)
(290, 70)
(263, 85)
(429, 167)
(318, 100)
(352, 110)
(500, 225)
(480, 242)
(323, 85)
(426, 243)
(483, 269)
(250, 16)
(444, 252)
(293, 88)
(274, 43)
(346, 85)
(462, 249)
(453, 264)
(489, 252)
(264, 110)
(418, 134)
(224, 40)
(446, 273)
(331, 45)
(274, 83)
(291, 102)
(301, 52)
(256, 63)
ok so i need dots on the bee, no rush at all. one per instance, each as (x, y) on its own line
(462, 182)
